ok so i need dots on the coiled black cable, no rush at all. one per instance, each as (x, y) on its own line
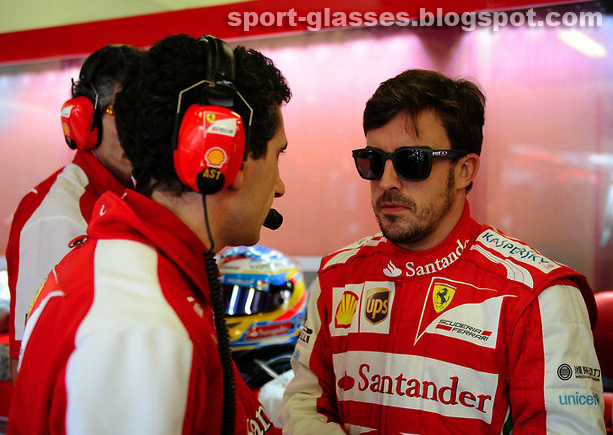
(223, 337)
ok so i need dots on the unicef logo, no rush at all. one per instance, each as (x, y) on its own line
(565, 372)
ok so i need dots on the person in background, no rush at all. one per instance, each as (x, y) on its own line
(440, 324)
(51, 217)
(265, 300)
(128, 334)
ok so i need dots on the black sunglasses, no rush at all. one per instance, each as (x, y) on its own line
(411, 164)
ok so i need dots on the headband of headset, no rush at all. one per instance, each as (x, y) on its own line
(210, 142)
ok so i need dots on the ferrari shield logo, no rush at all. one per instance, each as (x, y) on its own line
(442, 296)
(210, 117)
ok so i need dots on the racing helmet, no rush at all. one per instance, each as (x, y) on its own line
(264, 295)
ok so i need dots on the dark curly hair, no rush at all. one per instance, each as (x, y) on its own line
(459, 104)
(146, 106)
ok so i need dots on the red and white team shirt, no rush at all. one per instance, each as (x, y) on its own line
(479, 335)
(121, 338)
(48, 219)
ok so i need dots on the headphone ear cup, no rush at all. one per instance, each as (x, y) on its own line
(210, 148)
(80, 130)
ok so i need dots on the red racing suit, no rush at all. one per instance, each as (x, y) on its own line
(47, 219)
(479, 335)
(121, 338)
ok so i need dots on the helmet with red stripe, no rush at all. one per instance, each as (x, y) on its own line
(265, 297)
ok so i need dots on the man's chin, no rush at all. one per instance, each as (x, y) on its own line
(398, 233)
(245, 239)
(253, 240)
(391, 224)
(392, 233)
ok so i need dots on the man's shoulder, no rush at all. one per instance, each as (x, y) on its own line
(38, 192)
(515, 260)
(58, 193)
(32, 201)
(62, 179)
(496, 247)
(362, 248)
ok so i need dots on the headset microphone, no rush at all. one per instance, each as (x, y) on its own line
(273, 219)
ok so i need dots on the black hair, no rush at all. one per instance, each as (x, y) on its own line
(103, 72)
(265, 89)
(459, 105)
(146, 106)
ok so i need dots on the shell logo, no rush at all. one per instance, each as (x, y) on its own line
(216, 157)
(66, 129)
(345, 310)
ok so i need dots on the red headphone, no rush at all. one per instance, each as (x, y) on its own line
(81, 117)
(211, 141)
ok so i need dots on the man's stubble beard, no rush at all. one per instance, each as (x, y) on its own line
(426, 217)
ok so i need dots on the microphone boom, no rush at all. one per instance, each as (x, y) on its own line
(273, 220)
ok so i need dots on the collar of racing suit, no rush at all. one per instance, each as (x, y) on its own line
(445, 252)
(136, 217)
(100, 178)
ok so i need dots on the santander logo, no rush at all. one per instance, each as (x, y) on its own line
(415, 382)
(437, 265)
(391, 270)
(346, 383)
(397, 384)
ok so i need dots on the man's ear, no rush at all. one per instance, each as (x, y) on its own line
(466, 170)
(239, 180)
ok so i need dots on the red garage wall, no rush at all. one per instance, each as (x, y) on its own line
(546, 174)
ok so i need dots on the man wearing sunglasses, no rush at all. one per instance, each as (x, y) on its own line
(440, 324)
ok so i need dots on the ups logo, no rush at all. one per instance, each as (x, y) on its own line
(377, 305)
